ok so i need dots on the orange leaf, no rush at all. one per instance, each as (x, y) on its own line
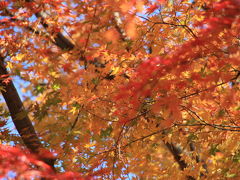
(152, 8)
(111, 35)
(131, 29)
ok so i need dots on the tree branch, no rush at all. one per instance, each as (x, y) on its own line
(20, 118)
(60, 40)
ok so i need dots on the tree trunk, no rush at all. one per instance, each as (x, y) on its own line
(19, 116)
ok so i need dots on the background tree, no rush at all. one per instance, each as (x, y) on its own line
(122, 89)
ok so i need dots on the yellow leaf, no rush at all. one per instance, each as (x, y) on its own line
(152, 138)
(115, 70)
(19, 57)
(73, 110)
(90, 145)
(54, 74)
(45, 60)
(9, 65)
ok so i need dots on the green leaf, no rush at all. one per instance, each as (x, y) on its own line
(53, 101)
(230, 175)
(148, 157)
(18, 72)
(221, 113)
(95, 81)
(76, 105)
(191, 121)
(236, 157)
(40, 88)
(155, 145)
(56, 86)
(107, 132)
(213, 149)
(192, 137)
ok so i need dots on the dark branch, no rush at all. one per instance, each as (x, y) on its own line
(60, 40)
(19, 116)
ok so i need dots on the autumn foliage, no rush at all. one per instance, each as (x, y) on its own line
(131, 89)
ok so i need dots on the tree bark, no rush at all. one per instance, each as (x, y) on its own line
(176, 152)
(19, 116)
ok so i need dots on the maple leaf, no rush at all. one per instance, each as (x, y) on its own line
(114, 87)
(3, 4)
(111, 35)
(67, 67)
(161, 1)
(152, 8)
(7, 80)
